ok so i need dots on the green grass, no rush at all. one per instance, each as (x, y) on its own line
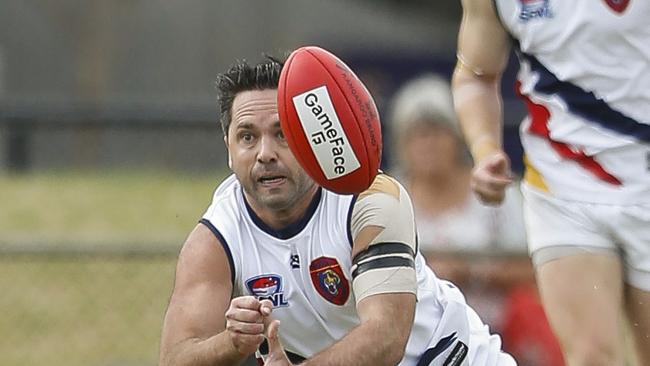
(101, 208)
(72, 310)
(89, 312)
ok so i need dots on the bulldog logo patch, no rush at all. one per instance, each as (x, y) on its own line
(328, 279)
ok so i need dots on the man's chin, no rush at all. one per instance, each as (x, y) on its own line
(275, 202)
(275, 198)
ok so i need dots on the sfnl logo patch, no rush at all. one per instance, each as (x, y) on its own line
(531, 9)
(326, 136)
(328, 279)
(267, 287)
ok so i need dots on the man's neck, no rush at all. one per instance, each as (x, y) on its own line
(281, 218)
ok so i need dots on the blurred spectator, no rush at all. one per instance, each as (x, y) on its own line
(434, 163)
(480, 248)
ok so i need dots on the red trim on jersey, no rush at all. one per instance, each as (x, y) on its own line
(618, 6)
(540, 116)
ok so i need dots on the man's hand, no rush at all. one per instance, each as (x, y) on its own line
(490, 177)
(276, 356)
(245, 322)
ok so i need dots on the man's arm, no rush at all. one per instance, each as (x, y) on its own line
(380, 339)
(483, 49)
(386, 322)
(384, 282)
(202, 326)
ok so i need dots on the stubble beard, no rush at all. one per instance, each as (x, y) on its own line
(295, 189)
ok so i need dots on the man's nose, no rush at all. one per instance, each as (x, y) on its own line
(268, 150)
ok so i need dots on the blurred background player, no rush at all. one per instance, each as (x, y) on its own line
(480, 248)
(435, 166)
(341, 272)
(585, 78)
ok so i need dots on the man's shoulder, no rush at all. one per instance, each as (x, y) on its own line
(226, 189)
(227, 185)
(386, 196)
(383, 183)
(224, 198)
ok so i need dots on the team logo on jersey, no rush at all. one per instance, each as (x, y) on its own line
(294, 261)
(531, 9)
(618, 6)
(329, 280)
(267, 287)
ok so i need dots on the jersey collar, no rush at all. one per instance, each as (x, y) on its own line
(292, 229)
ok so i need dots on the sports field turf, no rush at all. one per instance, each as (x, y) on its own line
(101, 208)
(71, 309)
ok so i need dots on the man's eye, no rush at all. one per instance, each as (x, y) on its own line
(246, 137)
(281, 135)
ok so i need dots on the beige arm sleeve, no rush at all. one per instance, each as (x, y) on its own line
(386, 263)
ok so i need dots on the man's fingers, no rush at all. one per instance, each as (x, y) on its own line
(266, 307)
(245, 328)
(497, 164)
(489, 196)
(246, 302)
(493, 169)
(272, 336)
(481, 181)
(246, 322)
(496, 183)
(491, 191)
(276, 351)
(487, 173)
(244, 315)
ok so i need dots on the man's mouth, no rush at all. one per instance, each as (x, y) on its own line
(272, 181)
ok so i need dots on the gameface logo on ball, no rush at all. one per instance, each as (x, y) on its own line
(326, 136)
(531, 9)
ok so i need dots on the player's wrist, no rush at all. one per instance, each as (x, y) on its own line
(483, 147)
(232, 349)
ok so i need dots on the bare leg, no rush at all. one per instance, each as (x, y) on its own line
(638, 307)
(583, 299)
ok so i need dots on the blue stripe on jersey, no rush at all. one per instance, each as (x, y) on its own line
(292, 229)
(225, 246)
(349, 219)
(584, 103)
(430, 354)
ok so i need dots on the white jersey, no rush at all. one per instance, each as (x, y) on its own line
(304, 270)
(585, 77)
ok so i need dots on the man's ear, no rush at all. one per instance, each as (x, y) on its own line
(225, 141)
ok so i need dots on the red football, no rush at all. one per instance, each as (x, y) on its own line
(330, 121)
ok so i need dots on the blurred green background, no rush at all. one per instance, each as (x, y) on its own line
(110, 149)
(87, 262)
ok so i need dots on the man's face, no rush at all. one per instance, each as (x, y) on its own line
(260, 156)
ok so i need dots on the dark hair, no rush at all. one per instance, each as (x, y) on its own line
(244, 77)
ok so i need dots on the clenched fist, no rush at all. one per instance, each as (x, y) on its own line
(491, 176)
(245, 322)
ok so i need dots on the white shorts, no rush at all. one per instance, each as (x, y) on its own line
(558, 228)
(458, 319)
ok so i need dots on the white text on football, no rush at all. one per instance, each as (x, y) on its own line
(326, 135)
